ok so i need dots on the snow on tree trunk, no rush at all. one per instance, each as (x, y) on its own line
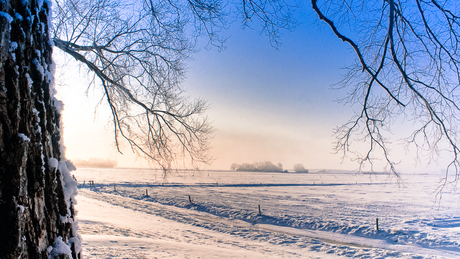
(36, 190)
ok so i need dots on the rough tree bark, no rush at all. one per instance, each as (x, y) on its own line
(36, 212)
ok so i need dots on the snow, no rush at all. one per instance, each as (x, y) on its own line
(7, 16)
(21, 208)
(50, 22)
(29, 82)
(39, 4)
(19, 17)
(37, 114)
(49, 73)
(38, 53)
(59, 105)
(24, 137)
(69, 185)
(134, 234)
(76, 240)
(39, 68)
(13, 47)
(322, 214)
(70, 191)
(59, 248)
(53, 162)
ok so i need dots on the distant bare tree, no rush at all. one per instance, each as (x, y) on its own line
(299, 168)
(135, 50)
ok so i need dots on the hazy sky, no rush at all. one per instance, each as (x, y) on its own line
(266, 104)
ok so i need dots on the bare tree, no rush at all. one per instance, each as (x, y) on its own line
(407, 65)
(407, 68)
(36, 189)
(136, 51)
(299, 168)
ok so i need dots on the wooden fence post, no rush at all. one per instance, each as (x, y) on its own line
(377, 224)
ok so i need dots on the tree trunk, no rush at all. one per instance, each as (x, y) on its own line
(36, 194)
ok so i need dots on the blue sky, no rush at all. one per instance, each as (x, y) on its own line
(267, 104)
(270, 104)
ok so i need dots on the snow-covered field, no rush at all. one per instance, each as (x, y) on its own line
(131, 213)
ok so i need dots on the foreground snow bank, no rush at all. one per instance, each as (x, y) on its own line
(329, 212)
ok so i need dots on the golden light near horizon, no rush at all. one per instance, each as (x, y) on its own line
(245, 135)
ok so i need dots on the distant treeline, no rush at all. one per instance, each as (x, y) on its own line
(265, 166)
(96, 162)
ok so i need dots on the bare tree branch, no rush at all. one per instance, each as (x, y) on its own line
(414, 59)
(407, 67)
(138, 57)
